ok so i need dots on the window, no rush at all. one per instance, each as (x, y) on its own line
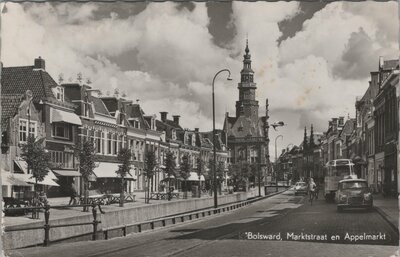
(60, 94)
(102, 139)
(98, 141)
(109, 144)
(62, 159)
(115, 144)
(120, 143)
(61, 130)
(23, 129)
(86, 109)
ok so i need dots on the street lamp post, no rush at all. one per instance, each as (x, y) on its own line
(214, 135)
(276, 162)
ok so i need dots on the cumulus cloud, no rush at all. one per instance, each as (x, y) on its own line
(308, 78)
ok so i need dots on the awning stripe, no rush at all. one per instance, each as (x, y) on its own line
(24, 168)
(63, 116)
(8, 179)
(107, 170)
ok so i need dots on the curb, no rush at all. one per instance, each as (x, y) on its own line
(387, 218)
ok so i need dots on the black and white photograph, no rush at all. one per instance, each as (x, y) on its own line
(200, 129)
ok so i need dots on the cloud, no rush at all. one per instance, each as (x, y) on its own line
(383, 15)
(308, 78)
(360, 55)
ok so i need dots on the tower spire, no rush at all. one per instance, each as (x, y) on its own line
(247, 47)
(247, 44)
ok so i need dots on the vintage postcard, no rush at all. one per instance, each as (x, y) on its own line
(200, 128)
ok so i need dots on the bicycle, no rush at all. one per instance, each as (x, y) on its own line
(312, 195)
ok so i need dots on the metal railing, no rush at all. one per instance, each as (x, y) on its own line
(47, 226)
(124, 228)
(190, 215)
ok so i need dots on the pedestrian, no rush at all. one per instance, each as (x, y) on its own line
(311, 188)
(73, 193)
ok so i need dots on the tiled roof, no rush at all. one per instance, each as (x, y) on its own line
(111, 103)
(172, 124)
(208, 136)
(17, 80)
(99, 105)
(9, 107)
(243, 126)
(134, 111)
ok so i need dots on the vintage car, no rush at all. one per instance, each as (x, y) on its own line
(353, 193)
(300, 188)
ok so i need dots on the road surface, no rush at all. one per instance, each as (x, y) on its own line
(283, 225)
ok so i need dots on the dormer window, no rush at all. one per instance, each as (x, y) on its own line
(193, 140)
(173, 134)
(60, 93)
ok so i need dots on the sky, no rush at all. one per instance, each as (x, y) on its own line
(311, 60)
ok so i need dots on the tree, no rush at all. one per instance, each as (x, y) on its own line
(124, 157)
(200, 171)
(37, 158)
(234, 176)
(86, 156)
(239, 174)
(256, 174)
(170, 164)
(150, 165)
(220, 174)
(184, 171)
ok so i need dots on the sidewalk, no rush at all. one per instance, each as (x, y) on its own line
(68, 212)
(388, 208)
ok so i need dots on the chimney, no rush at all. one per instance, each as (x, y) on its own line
(176, 119)
(40, 63)
(380, 62)
(163, 116)
(335, 123)
(341, 120)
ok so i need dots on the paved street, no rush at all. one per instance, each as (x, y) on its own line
(284, 215)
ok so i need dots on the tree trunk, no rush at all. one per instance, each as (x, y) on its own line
(122, 194)
(199, 186)
(185, 192)
(86, 195)
(148, 191)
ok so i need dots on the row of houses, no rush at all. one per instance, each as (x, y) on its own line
(33, 103)
(371, 139)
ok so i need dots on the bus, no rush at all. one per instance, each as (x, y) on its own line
(335, 171)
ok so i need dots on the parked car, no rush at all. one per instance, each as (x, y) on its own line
(300, 188)
(353, 193)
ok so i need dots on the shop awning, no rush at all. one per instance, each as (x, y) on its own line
(8, 179)
(67, 173)
(63, 116)
(108, 170)
(28, 179)
(195, 177)
(24, 168)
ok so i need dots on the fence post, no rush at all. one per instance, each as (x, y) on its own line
(46, 225)
(94, 211)
(124, 230)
